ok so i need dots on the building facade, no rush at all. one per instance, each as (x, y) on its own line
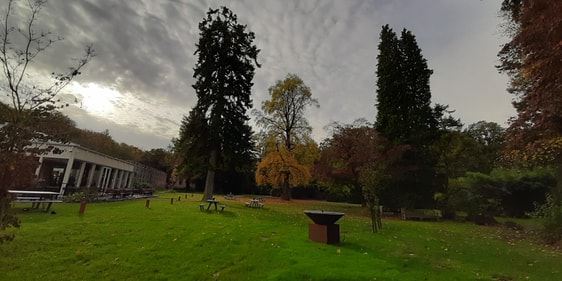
(70, 166)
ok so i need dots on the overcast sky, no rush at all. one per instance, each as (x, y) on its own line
(139, 84)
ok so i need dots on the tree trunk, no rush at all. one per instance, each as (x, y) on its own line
(285, 188)
(378, 216)
(210, 180)
(7, 218)
(557, 192)
(375, 212)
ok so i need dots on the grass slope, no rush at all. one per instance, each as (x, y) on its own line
(127, 241)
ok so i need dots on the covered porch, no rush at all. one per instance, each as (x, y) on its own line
(69, 167)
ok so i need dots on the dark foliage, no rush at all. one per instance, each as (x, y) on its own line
(405, 117)
(220, 137)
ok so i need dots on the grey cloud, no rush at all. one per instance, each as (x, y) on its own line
(130, 133)
(145, 50)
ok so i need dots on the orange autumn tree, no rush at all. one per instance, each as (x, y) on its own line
(288, 148)
(278, 166)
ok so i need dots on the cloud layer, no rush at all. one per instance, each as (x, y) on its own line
(145, 52)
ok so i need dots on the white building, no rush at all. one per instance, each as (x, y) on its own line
(70, 166)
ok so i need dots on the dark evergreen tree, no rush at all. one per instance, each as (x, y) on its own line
(224, 72)
(421, 121)
(191, 146)
(405, 117)
(390, 87)
(404, 112)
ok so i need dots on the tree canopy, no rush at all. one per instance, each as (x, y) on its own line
(358, 157)
(285, 129)
(405, 117)
(29, 115)
(345, 154)
(404, 112)
(533, 61)
(224, 72)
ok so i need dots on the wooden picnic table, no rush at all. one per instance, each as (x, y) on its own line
(212, 201)
(36, 198)
(254, 203)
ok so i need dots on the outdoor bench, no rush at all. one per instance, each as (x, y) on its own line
(254, 204)
(36, 201)
(420, 214)
(35, 197)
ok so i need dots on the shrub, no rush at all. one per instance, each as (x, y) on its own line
(275, 191)
(524, 189)
(551, 214)
(88, 194)
(263, 190)
(508, 192)
(477, 194)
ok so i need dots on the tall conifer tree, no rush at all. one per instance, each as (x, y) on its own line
(224, 72)
(405, 116)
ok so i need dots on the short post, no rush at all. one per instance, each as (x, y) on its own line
(82, 207)
(186, 196)
(172, 201)
(147, 204)
(179, 198)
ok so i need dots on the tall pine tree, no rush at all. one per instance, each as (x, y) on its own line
(224, 72)
(405, 117)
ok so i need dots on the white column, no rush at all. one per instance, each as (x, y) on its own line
(105, 180)
(91, 175)
(131, 179)
(100, 177)
(80, 174)
(120, 179)
(38, 170)
(114, 176)
(67, 172)
(124, 184)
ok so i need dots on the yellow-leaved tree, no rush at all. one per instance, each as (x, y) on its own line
(278, 166)
(287, 151)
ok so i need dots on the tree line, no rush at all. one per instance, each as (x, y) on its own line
(415, 154)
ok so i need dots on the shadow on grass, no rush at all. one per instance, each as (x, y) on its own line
(228, 214)
(224, 213)
(351, 246)
(38, 214)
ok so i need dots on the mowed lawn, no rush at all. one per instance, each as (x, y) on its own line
(126, 241)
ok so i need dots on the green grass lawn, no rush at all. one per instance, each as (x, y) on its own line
(127, 241)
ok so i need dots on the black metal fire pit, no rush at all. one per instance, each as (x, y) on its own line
(324, 229)
(323, 217)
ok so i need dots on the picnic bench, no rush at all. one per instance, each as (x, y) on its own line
(36, 198)
(420, 214)
(254, 203)
(202, 206)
